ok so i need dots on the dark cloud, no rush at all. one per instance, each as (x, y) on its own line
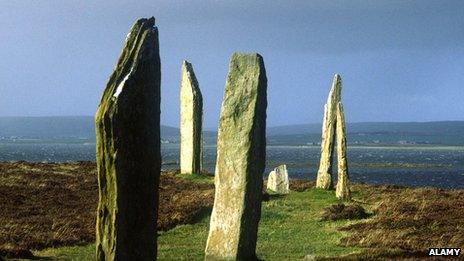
(400, 60)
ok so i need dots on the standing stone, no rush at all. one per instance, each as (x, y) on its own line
(191, 113)
(342, 190)
(128, 150)
(241, 154)
(278, 180)
(324, 176)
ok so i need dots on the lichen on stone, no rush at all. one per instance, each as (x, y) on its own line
(128, 150)
(241, 153)
(333, 130)
(191, 117)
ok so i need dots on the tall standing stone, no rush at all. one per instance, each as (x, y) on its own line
(278, 180)
(241, 154)
(333, 128)
(324, 176)
(191, 114)
(342, 190)
(128, 150)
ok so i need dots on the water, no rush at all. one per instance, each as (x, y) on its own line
(436, 166)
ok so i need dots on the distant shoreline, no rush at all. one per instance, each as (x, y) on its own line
(85, 142)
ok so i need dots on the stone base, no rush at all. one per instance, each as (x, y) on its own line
(324, 181)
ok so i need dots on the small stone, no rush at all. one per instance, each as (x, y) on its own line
(278, 180)
(241, 155)
(128, 150)
(191, 116)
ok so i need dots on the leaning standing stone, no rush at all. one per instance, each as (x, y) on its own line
(278, 180)
(241, 154)
(324, 176)
(342, 190)
(128, 150)
(191, 113)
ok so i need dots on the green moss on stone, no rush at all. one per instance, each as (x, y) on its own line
(128, 150)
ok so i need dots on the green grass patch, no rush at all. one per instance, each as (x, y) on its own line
(290, 228)
(197, 177)
(68, 253)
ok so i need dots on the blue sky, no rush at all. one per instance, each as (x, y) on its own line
(399, 60)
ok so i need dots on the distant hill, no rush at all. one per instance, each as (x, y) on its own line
(312, 128)
(404, 133)
(435, 127)
(82, 127)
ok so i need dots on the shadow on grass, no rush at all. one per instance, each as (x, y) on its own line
(341, 211)
(6, 254)
(203, 213)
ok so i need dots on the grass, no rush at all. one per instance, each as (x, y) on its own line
(290, 228)
(68, 253)
(185, 242)
(409, 221)
(54, 210)
(197, 177)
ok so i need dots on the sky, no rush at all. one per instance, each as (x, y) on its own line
(399, 60)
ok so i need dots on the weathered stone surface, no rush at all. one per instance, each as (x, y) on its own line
(241, 154)
(128, 150)
(191, 114)
(278, 180)
(324, 176)
(342, 190)
(334, 128)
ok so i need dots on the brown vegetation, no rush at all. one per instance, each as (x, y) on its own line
(340, 211)
(408, 221)
(48, 205)
(301, 185)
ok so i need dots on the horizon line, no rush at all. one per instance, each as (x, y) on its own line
(208, 128)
